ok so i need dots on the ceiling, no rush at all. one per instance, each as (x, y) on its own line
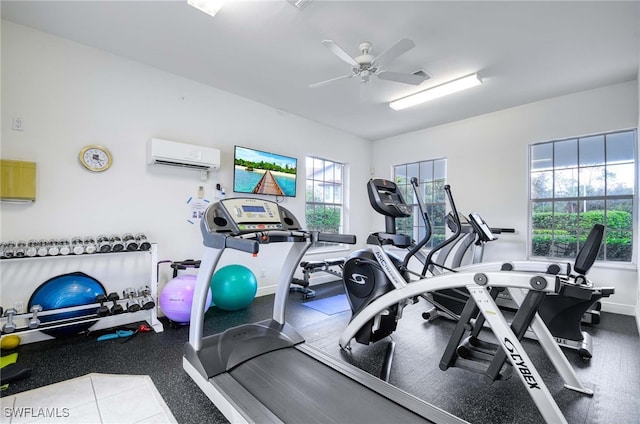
(270, 51)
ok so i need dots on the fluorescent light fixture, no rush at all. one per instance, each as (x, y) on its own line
(210, 7)
(437, 91)
(299, 3)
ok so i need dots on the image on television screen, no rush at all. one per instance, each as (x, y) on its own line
(261, 172)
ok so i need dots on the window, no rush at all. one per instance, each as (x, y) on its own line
(432, 177)
(578, 182)
(324, 194)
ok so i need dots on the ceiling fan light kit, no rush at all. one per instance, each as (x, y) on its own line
(441, 90)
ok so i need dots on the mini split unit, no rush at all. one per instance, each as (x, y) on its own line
(171, 153)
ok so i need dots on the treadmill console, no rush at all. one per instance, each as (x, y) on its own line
(247, 215)
(385, 198)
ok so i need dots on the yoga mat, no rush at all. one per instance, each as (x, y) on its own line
(330, 305)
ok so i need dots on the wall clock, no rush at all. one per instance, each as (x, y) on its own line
(95, 158)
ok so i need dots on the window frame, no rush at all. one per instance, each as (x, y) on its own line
(435, 201)
(335, 204)
(603, 259)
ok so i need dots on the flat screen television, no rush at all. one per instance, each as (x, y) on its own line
(259, 172)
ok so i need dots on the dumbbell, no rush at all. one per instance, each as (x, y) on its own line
(147, 301)
(116, 308)
(21, 249)
(116, 243)
(90, 245)
(34, 322)
(53, 248)
(130, 243)
(32, 248)
(9, 326)
(143, 243)
(104, 245)
(9, 249)
(64, 246)
(133, 305)
(42, 248)
(103, 310)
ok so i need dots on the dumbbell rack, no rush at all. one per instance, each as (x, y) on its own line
(115, 270)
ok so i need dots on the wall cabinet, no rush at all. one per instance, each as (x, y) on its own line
(20, 277)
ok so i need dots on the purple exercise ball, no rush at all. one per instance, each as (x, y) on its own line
(177, 296)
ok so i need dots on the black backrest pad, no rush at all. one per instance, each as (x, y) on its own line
(589, 251)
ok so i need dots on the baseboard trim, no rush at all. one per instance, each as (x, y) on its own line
(618, 308)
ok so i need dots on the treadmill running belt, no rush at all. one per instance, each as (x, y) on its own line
(300, 389)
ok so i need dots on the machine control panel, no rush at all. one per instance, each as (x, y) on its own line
(244, 215)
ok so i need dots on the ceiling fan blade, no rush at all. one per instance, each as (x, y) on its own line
(394, 51)
(337, 50)
(404, 78)
(321, 83)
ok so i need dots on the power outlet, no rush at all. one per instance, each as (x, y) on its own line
(18, 124)
(263, 273)
(19, 306)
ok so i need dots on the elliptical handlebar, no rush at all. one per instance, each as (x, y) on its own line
(427, 224)
(454, 236)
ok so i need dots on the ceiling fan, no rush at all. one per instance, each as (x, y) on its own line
(367, 65)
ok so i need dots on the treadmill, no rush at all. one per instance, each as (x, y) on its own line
(264, 372)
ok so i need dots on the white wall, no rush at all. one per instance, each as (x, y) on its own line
(70, 95)
(488, 169)
(638, 236)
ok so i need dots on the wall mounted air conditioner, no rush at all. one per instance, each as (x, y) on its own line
(165, 152)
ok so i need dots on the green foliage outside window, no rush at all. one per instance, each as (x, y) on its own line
(562, 234)
(326, 220)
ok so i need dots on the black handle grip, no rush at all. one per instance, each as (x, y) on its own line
(250, 246)
(502, 230)
(337, 238)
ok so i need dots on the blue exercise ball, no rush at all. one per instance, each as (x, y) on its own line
(177, 296)
(63, 291)
(233, 287)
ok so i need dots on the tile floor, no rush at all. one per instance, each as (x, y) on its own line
(93, 398)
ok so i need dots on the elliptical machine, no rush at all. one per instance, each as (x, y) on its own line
(364, 278)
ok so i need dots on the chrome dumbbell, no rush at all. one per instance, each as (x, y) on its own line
(130, 243)
(32, 248)
(64, 246)
(9, 326)
(116, 243)
(133, 305)
(77, 246)
(143, 243)
(52, 247)
(90, 245)
(34, 322)
(42, 248)
(21, 249)
(146, 300)
(104, 245)
(9, 249)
